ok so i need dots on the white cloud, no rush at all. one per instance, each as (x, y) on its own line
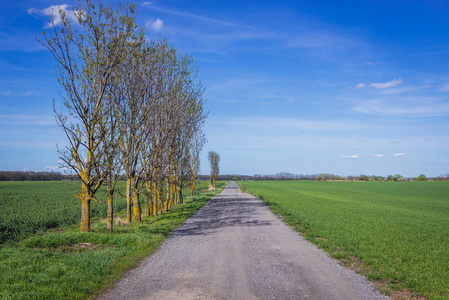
(399, 154)
(264, 103)
(378, 155)
(5, 93)
(52, 168)
(57, 168)
(156, 25)
(54, 11)
(360, 85)
(350, 156)
(369, 63)
(146, 3)
(388, 84)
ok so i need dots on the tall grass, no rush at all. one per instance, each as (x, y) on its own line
(66, 264)
(398, 230)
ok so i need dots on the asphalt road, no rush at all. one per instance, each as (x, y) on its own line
(235, 248)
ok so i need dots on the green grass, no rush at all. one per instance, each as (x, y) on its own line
(398, 230)
(66, 264)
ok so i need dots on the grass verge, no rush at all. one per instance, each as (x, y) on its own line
(66, 264)
(394, 233)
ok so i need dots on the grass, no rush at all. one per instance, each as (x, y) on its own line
(395, 233)
(65, 264)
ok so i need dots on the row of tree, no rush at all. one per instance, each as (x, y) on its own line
(328, 177)
(33, 176)
(132, 108)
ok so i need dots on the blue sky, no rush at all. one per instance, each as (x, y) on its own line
(343, 87)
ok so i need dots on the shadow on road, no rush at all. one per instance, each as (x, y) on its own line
(223, 211)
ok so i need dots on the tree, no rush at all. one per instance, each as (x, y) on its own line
(134, 106)
(87, 55)
(214, 159)
(421, 177)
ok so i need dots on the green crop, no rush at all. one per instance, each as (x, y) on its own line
(28, 206)
(398, 230)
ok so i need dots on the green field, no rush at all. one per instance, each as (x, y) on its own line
(399, 231)
(67, 264)
(29, 206)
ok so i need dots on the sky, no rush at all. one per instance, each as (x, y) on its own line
(306, 87)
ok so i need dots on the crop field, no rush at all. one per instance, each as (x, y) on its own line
(395, 233)
(29, 206)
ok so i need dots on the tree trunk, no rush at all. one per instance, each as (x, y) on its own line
(192, 188)
(149, 207)
(167, 198)
(128, 200)
(136, 204)
(85, 209)
(180, 199)
(110, 209)
(155, 198)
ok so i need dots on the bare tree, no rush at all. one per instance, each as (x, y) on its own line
(214, 159)
(194, 167)
(87, 54)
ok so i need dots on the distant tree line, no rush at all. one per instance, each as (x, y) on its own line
(34, 176)
(325, 177)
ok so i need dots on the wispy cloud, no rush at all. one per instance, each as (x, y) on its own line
(385, 85)
(155, 25)
(27, 120)
(186, 14)
(405, 106)
(378, 155)
(319, 38)
(399, 154)
(350, 156)
(52, 168)
(289, 123)
(444, 87)
(54, 11)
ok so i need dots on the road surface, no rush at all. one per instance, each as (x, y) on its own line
(235, 248)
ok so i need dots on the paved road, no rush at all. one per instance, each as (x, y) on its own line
(235, 248)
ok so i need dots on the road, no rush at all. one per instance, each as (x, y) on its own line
(235, 248)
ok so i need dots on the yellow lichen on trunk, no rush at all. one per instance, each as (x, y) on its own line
(128, 200)
(110, 214)
(192, 188)
(155, 199)
(85, 217)
(136, 205)
(85, 207)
